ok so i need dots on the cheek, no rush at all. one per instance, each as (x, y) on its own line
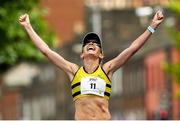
(82, 56)
(83, 50)
(98, 50)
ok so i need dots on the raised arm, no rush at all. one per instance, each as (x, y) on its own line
(68, 67)
(112, 65)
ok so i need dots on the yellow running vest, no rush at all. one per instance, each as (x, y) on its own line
(84, 84)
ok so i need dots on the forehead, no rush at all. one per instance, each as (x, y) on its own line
(91, 40)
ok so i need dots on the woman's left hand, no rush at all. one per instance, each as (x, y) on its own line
(157, 19)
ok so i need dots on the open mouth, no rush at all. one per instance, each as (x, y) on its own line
(90, 48)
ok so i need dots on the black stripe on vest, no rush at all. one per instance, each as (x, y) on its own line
(75, 85)
(107, 94)
(108, 85)
(76, 93)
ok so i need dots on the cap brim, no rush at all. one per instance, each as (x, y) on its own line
(91, 36)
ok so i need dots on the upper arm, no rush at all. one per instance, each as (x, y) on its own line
(123, 57)
(114, 64)
(59, 61)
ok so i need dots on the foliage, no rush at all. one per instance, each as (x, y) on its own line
(15, 45)
(172, 68)
(175, 31)
(176, 37)
(174, 6)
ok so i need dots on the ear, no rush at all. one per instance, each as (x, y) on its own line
(82, 55)
(101, 56)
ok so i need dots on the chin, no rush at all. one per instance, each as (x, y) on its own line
(91, 54)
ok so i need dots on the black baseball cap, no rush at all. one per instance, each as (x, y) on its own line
(91, 37)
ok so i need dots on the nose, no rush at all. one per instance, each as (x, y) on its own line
(91, 43)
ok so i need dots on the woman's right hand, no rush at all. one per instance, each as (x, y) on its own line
(24, 20)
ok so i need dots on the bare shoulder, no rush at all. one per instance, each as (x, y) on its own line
(107, 67)
(74, 68)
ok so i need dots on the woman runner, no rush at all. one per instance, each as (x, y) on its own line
(91, 83)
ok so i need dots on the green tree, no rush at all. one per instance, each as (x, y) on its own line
(175, 31)
(174, 69)
(15, 45)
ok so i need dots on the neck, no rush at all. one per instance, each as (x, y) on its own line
(90, 65)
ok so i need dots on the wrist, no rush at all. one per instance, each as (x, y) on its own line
(151, 29)
(154, 25)
(28, 25)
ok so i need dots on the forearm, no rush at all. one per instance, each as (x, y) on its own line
(122, 58)
(56, 59)
(38, 42)
(139, 42)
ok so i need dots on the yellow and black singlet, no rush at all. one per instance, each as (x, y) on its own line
(85, 84)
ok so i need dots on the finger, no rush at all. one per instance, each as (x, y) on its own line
(158, 12)
(21, 17)
(160, 15)
(24, 15)
(21, 20)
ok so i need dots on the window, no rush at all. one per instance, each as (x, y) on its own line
(117, 86)
(26, 110)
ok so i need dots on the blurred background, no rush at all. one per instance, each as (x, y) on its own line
(146, 87)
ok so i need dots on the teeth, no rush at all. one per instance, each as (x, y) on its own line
(90, 48)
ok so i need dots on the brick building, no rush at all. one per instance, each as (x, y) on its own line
(66, 18)
(175, 56)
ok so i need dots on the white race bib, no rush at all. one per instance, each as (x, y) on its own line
(93, 85)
